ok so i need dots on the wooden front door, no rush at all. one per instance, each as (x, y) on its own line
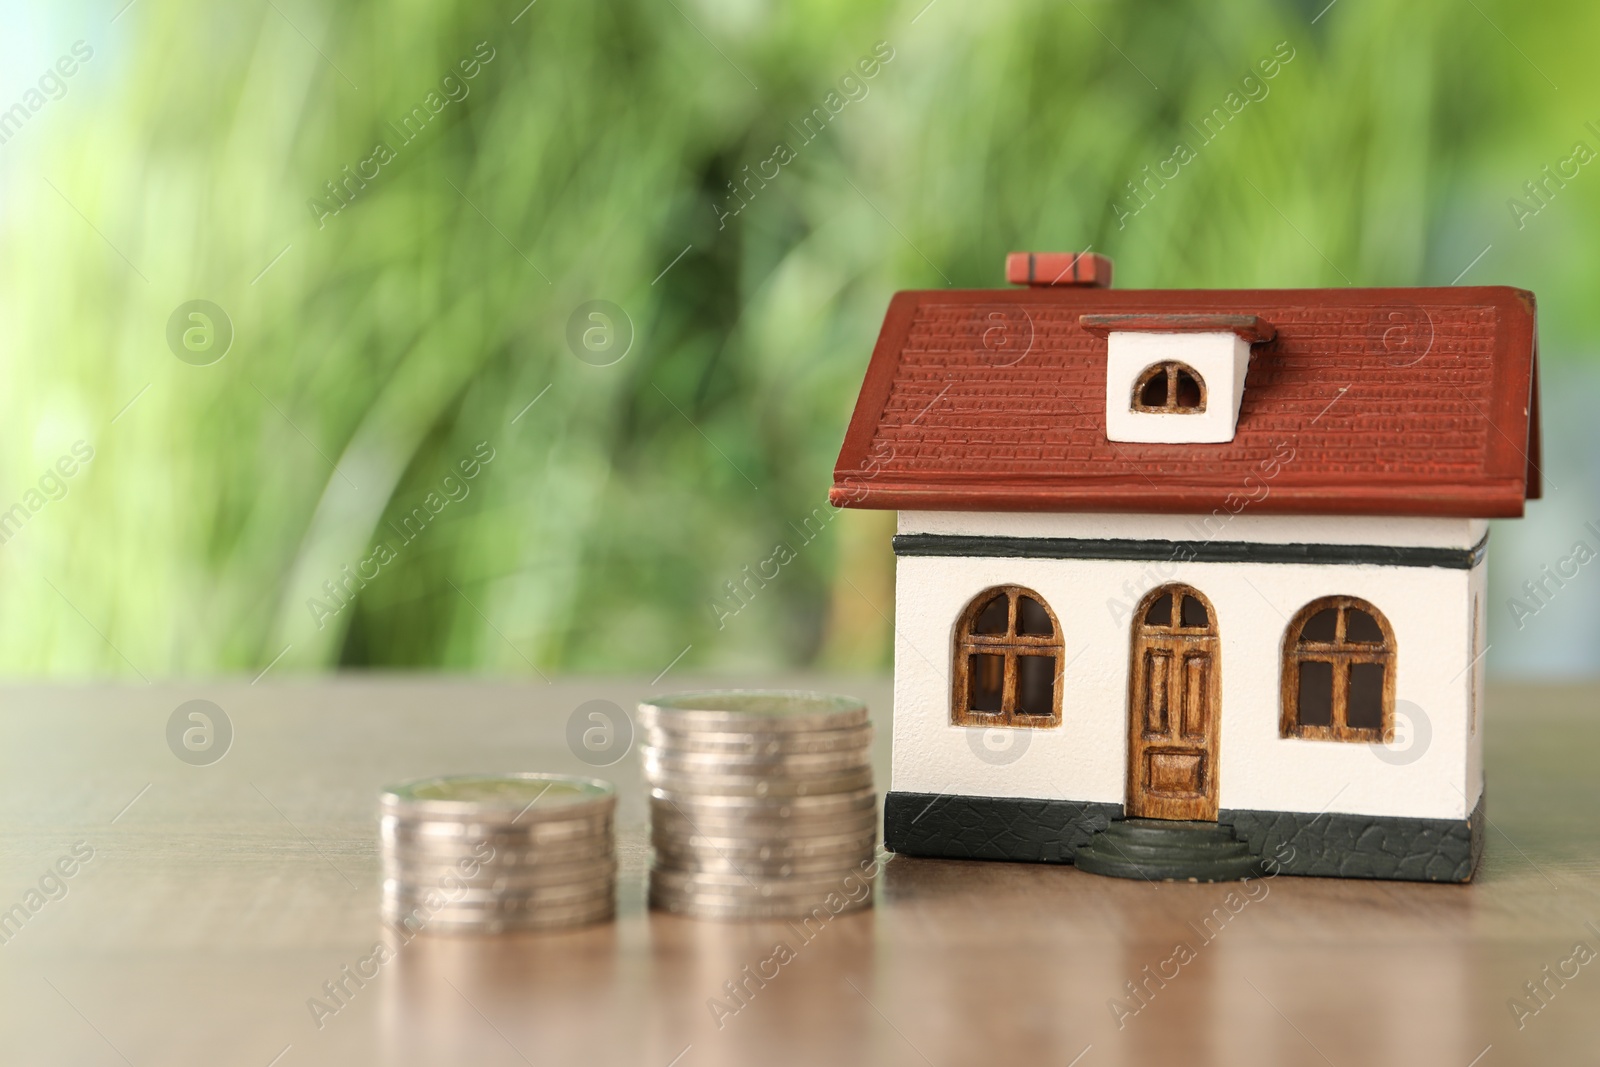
(1173, 701)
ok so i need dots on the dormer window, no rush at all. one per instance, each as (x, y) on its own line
(1174, 378)
(1170, 387)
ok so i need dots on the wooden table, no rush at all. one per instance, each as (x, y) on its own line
(220, 898)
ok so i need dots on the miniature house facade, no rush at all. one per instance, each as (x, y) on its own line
(1208, 556)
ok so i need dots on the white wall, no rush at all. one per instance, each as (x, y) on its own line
(1245, 526)
(1478, 587)
(1085, 758)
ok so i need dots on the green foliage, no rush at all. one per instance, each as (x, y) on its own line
(590, 159)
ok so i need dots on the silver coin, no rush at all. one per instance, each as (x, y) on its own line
(504, 922)
(852, 739)
(744, 884)
(507, 900)
(689, 910)
(752, 711)
(766, 818)
(785, 867)
(760, 787)
(726, 805)
(543, 874)
(771, 891)
(701, 837)
(805, 765)
(499, 799)
(769, 911)
(696, 757)
(478, 897)
(673, 853)
(758, 848)
(494, 904)
(544, 858)
(527, 880)
(498, 926)
(772, 752)
(768, 830)
(447, 832)
(734, 785)
(764, 845)
(456, 828)
(813, 839)
(822, 908)
(483, 854)
(748, 912)
(419, 886)
(692, 805)
(503, 899)
(480, 921)
(735, 884)
(447, 838)
(465, 871)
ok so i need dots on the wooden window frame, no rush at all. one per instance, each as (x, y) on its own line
(1011, 645)
(1174, 626)
(1340, 653)
(1170, 368)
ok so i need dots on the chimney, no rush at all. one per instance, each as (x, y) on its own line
(1047, 269)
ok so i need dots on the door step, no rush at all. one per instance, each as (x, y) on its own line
(1161, 850)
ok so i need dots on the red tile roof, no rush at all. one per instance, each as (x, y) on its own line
(1391, 402)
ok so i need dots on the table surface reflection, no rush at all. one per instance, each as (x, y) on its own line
(219, 899)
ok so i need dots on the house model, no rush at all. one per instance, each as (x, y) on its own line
(1189, 581)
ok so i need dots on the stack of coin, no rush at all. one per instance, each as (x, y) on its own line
(761, 803)
(493, 852)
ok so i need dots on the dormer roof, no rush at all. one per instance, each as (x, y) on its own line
(1418, 402)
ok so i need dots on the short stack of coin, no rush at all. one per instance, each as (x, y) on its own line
(495, 852)
(761, 803)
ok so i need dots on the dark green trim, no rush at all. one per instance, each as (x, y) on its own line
(1163, 850)
(1329, 845)
(1364, 846)
(991, 828)
(1117, 548)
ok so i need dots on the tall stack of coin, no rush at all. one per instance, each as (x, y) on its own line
(761, 803)
(493, 852)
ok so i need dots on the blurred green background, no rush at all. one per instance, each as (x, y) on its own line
(387, 334)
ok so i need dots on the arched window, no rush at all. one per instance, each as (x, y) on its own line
(1338, 672)
(1170, 388)
(1007, 669)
